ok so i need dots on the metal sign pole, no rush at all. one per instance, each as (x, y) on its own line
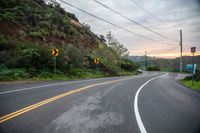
(54, 65)
(96, 68)
(96, 62)
(54, 53)
(193, 50)
(193, 69)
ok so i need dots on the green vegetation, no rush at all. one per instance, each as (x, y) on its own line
(30, 29)
(188, 81)
(38, 33)
(153, 68)
(8, 16)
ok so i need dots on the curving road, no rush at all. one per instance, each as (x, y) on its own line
(147, 103)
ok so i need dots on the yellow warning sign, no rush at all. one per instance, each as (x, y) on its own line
(54, 52)
(96, 61)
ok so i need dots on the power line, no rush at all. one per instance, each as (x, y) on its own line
(113, 24)
(146, 10)
(133, 21)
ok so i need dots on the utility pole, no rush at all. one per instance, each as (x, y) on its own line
(181, 50)
(146, 60)
(193, 50)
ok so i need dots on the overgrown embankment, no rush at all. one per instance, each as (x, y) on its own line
(30, 29)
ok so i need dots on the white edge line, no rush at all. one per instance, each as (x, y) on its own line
(137, 114)
(30, 88)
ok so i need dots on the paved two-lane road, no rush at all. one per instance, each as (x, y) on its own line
(152, 103)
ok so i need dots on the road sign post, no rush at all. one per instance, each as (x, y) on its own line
(96, 62)
(193, 50)
(54, 64)
(54, 53)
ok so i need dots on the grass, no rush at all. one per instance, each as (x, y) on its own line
(24, 75)
(71, 77)
(188, 83)
(125, 73)
(97, 74)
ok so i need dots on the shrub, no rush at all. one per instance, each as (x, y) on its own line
(30, 56)
(45, 24)
(70, 31)
(10, 74)
(197, 75)
(75, 56)
(8, 16)
(72, 16)
(3, 40)
(41, 33)
(7, 45)
(22, 34)
(153, 68)
(8, 3)
(128, 65)
(36, 34)
(58, 33)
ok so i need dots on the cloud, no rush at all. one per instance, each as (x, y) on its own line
(174, 14)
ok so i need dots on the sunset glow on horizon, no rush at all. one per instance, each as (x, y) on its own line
(172, 55)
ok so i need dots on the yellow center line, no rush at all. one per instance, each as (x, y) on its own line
(41, 103)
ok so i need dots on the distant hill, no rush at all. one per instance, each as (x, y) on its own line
(140, 58)
(165, 64)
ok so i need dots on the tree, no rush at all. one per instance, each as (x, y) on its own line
(109, 37)
(117, 47)
(102, 38)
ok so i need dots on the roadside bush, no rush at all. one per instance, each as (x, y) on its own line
(30, 56)
(10, 74)
(153, 68)
(128, 65)
(197, 75)
(74, 55)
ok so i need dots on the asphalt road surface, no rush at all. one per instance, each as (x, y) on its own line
(147, 103)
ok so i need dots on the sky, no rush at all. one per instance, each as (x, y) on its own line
(166, 17)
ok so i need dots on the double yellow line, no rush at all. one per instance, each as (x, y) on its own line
(31, 107)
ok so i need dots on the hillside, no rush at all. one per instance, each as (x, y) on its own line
(30, 29)
(165, 64)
